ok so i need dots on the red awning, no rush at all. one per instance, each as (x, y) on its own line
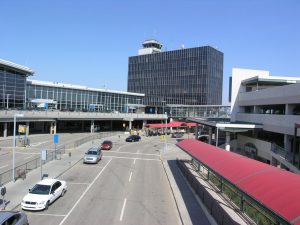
(276, 189)
(297, 125)
(156, 125)
(176, 124)
(191, 124)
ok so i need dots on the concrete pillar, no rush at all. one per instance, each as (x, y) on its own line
(227, 141)
(209, 135)
(92, 126)
(27, 129)
(5, 130)
(54, 127)
(130, 125)
(196, 132)
(287, 144)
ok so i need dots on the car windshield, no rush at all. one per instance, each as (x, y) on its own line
(106, 142)
(40, 189)
(91, 153)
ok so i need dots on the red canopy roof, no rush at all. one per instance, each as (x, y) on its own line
(171, 124)
(277, 189)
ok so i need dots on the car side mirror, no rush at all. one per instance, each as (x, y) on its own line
(29, 190)
(52, 192)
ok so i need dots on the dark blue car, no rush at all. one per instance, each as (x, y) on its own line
(133, 138)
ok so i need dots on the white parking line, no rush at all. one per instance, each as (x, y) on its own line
(83, 194)
(3, 166)
(123, 209)
(134, 161)
(134, 153)
(120, 157)
(130, 176)
(44, 214)
(79, 183)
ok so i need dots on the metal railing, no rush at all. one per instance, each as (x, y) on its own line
(23, 169)
(282, 152)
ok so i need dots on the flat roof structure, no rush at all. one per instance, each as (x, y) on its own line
(224, 124)
(275, 189)
(22, 69)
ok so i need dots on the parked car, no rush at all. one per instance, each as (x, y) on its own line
(93, 155)
(106, 145)
(13, 217)
(133, 138)
(177, 135)
(43, 194)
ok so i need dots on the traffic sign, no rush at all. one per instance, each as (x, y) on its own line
(55, 138)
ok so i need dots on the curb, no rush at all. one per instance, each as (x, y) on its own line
(179, 212)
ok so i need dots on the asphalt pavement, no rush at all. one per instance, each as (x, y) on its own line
(130, 185)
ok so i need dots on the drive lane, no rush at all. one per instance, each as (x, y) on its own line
(131, 189)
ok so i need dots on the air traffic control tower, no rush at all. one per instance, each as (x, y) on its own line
(150, 46)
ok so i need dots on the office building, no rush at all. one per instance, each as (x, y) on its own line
(191, 76)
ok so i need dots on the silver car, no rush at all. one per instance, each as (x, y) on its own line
(13, 217)
(93, 155)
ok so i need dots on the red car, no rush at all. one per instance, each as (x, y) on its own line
(106, 145)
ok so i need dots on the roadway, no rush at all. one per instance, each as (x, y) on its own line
(128, 186)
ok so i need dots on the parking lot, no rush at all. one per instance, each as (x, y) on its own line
(128, 186)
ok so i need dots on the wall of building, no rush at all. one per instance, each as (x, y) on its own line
(238, 75)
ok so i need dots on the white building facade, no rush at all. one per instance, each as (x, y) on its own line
(274, 103)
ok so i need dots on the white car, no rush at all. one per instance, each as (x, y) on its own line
(43, 194)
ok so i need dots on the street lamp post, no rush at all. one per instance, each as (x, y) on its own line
(14, 143)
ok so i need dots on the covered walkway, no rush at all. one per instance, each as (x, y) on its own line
(272, 190)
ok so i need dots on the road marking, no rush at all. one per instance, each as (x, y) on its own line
(83, 194)
(123, 209)
(134, 161)
(78, 183)
(3, 166)
(119, 149)
(28, 153)
(39, 143)
(45, 214)
(138, 151)
(130, 176)
(29, 157)
(120, 157)
(135, 153)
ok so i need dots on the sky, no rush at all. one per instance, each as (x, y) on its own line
(88, 42)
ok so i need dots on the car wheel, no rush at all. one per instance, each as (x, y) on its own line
(63, 193)
(47, 206)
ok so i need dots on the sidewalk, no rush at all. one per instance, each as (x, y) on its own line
(15, 191)
(191, 212)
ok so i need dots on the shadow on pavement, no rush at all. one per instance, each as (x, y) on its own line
(195, 211)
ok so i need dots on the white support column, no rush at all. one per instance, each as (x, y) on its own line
(227, 143)
(5, 130)
(209, 135)
(54, 127)
(92, 126)
(27, 129)
(130, 125)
